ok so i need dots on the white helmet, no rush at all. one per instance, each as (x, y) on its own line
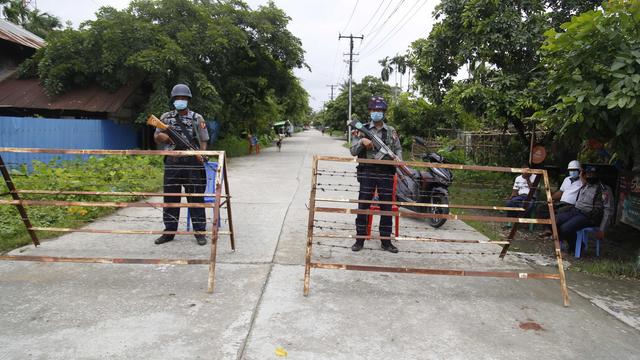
(574, 165)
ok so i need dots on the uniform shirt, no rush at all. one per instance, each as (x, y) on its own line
(587, 199)
(521, 185)
(570, 188)
(392, 140)
(194, 124)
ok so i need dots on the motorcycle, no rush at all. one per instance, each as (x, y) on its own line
(426, 186)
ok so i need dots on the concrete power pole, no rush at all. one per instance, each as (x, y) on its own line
(350, 37)
(332, 86)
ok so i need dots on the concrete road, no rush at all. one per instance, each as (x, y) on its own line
(91, 311)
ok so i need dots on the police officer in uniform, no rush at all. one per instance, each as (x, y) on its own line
(374, 177)
(183, 171)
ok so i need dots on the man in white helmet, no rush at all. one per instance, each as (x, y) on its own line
(570, 186)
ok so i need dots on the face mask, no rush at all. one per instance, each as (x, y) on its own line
(180, 104)
(574, 174)
(592, 180)
(377, 116)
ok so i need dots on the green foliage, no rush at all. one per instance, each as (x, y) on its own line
(238, 62)
(112, 173)
(337, 111)
(416, 117)
(593, 79)
(497, 43)
(37, 22)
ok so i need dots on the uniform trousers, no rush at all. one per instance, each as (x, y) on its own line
(187, 172)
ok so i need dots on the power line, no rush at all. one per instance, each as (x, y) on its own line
(401, 25)
(379, 29)
(372, 16)
(351, 17)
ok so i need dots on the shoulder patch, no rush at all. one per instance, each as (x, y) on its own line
(394, 134)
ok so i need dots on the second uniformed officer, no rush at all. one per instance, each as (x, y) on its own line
(183, 171)
(374, 177)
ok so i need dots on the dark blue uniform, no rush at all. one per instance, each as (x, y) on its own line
(184, 171)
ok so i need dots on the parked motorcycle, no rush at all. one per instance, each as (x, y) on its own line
(426, 186)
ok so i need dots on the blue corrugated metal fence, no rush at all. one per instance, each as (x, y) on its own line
(27, 132)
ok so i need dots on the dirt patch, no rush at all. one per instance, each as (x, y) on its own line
(530, 325)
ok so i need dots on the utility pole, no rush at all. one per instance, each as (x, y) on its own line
(350, 37)
(332, 86)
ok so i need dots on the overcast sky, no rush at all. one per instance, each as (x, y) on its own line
(388, 26)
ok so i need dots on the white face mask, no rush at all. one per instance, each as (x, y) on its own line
(574, 174)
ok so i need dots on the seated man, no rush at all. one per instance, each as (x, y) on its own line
(518, 197)
(589, 209)
(568, 191)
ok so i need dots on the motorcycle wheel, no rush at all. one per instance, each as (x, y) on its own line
(438, 199)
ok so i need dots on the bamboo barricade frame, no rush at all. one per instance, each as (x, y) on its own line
(221, 199)
(541, 175)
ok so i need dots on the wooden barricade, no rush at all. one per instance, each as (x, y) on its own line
(221, 199)
(314, 210)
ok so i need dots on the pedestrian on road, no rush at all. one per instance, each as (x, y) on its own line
(183, 171)
(374, 177)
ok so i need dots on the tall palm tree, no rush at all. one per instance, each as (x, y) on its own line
(14, 11)
(400, 62)
(387, 69)
(39, 23)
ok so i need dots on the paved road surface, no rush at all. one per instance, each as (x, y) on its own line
(92, 311)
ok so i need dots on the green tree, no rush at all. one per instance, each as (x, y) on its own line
(238, 62)
(35, 21)
(337, 111)
(496, 43)
(593, 77)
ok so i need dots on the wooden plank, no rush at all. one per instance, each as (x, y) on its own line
(405, 203)
(312, 204)
(105, 204)
(407, 270)
(556, 242)
(21, 210)
(432, 165)
(435, 216)
(407, 238)
(111, 152)
(103, 260)
(110, 193)
(130, 232)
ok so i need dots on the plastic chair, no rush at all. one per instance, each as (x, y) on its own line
(211, 168)
(582, 237)
(394, 208)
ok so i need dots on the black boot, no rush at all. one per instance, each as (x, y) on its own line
(388, 246)
(201, 239)
(358, 245)
(163, 239)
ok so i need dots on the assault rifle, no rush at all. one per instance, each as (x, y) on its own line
(173, 134)
(382, 149)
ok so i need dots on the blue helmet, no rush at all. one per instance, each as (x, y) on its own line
(377, 103)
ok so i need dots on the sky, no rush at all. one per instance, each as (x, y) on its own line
(388, 27)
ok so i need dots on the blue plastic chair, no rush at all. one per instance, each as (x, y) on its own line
(582, 238)
(211, 169)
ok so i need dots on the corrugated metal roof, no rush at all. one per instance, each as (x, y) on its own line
(29, 94)
(16, 34)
